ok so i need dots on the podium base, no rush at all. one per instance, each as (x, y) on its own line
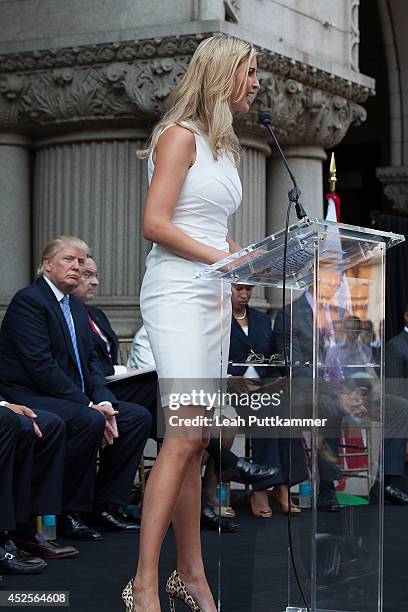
(294, 609)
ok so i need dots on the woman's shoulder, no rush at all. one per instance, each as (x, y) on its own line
(177, 141)
(176, 135)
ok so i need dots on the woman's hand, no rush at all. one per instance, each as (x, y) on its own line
(233, 246)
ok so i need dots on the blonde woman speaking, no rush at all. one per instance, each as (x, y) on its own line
(194, 187)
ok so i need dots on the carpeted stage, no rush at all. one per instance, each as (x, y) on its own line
(254, 566)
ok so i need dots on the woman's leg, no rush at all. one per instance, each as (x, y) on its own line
(186, 526)
(176, 458)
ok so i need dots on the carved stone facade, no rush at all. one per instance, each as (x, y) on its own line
(84, 110)
(132, 81)
(395, 180)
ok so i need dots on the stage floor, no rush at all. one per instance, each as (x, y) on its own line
(254, 567)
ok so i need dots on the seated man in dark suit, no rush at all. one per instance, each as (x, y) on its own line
(396, 372)
(47, 361)
(336, 407)
(141, 389)
(340, 401)
(31, 466)
(9, 433)
(396, 353)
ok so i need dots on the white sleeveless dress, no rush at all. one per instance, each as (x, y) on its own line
(188, 331)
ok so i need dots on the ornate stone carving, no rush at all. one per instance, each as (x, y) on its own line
(304, 114)
(232, 10)
(395, 180)
(353, 7)
(130, 79)
(77, 94)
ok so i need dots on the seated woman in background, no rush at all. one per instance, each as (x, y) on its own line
(251, 333)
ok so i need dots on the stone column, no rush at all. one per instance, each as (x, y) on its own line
(92, 185)
(306, 164)
(15, 215)
(248, 225)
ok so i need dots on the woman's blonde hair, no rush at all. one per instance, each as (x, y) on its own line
(58, 243)
(203, 95)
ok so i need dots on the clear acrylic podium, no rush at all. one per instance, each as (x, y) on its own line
(334, 346)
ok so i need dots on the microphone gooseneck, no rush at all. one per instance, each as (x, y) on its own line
(294, 193)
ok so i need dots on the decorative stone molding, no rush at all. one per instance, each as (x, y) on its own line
(303, 114)
(69, 95)
(232, 10)
(132, 80)
(353, 8)
(395, 180)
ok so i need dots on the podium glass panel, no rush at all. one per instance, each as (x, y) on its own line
(327, 373)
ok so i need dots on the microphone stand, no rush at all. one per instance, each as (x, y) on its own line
(294, 193)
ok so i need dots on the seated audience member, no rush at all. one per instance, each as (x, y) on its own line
(396, 354)
(351, 348)
(339, 404)
(140, 355)
(341, 400)
(138, 389)
(396, 372)
(251, 333)
(9, 563)
(47, 361)
(31, 466)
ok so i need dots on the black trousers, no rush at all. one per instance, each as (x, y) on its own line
(9, 431)
(39, 466)
(223, 458)
(84, 432)
(395, 424)
(275, 452)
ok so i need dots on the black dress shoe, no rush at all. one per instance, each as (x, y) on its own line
(249, 473)
(109, 521)
(209, 520)
(120, 513)
(21, 554)
(49, 549)
(9, 564)
(394, 495)
(73, 526)
(327, 501)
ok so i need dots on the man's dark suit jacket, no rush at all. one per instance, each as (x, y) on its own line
(302, 334)
(396, 366)
(107, 361)
(36, 351)
(259, 339)
(302, 351)
(396, 356)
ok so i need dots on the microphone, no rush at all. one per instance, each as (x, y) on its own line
(294, 193)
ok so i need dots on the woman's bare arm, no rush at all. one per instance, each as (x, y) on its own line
(174, 155)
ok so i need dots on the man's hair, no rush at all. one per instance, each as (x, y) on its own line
(58, 243)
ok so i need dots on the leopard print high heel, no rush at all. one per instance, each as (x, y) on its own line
(127, 597)
(176, 589)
